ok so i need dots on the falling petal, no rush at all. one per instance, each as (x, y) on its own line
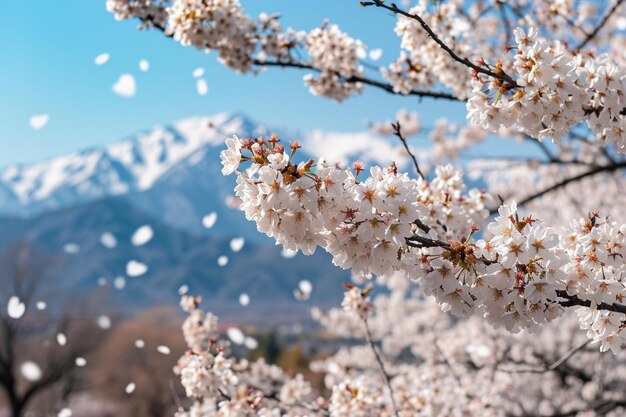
(71, 248)
(104, 322)
(15, 308)
(202, 87)
(38, 121)
(31, 371)
(164, 350)
(125, 86)
(119, 283)
(135, 268)
(209, 220)
(244, 299)
(222, 260)
(198, 72)
(142, 235)
(130, 388)
(101, 59)
(236, 336)
(108, 240)
(237, 243)
(375, 54)
(144, 65)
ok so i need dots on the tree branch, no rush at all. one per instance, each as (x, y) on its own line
(564, 182)
(600, 25)
(358, 79)
(397, 130)
(464, 61)
(381, 366)
(574, 301)
(303, 65)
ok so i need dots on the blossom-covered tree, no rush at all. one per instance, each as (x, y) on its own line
(540, 250)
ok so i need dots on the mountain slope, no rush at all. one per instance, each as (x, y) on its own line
(171, 172)
(174, 258)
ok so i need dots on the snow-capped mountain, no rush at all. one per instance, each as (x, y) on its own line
(169, 178)
(135, 164)
(171, 172)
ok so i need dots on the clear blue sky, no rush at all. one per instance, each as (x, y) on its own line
(47, 67)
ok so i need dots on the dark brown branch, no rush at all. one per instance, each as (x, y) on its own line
(564, 182)
(358, 79)
(397, 130)
(350, 80)
(464, 61)
(600, 25)
(418, 241)
(574, 301)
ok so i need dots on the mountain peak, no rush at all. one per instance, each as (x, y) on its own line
(139, 162)
(135, 163)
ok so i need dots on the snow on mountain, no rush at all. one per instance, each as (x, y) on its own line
(169, 171)
(132, 165)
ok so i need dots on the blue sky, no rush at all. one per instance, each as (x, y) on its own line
(47, 67)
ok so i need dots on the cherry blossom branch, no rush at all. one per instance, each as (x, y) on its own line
(456, 377)
(394, 9)
(564, 182)
(301, 65)
(397, 130)
(291, 406)
(418, 241)
(358, 79)
(600, 25)
(601, 407)
(381, 365)
(553, 366)
(605, 168)
(574, 301)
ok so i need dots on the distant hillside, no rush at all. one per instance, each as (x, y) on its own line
(169, 177)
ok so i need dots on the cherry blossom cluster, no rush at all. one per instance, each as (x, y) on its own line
(219, 25)
(336, 55)
(422, 63)
(242, 42)
(363, 222)
(151, 12)
(557, 91)
(390, 222)
(224, 385)
(440, 366)
(276, 43)
(410, 123)
(449, 140)
(434, 366)
(597, 273)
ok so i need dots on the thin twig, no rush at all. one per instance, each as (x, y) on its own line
(395, 9)
(552, 367)
(358, 79)
(381, 366)
(564, 182)
(397, 130)
(451, 369)
(600, 25)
